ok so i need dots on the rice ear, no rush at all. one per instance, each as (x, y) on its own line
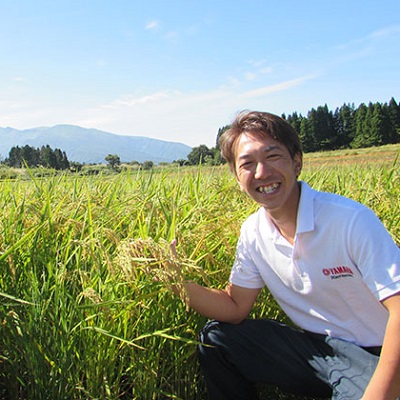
(155, 258)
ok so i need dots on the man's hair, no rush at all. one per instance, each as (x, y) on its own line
(261, 125)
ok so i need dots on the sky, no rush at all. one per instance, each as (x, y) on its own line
(178, 70)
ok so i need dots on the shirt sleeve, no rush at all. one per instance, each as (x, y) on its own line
(375, 253)
(244, 272)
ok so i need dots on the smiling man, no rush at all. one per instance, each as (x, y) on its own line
(329, 262)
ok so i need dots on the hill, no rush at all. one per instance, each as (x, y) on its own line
(91, 145)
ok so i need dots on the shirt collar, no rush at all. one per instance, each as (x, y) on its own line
(305, 213)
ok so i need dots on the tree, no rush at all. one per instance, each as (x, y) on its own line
(15, 157)
(294, 120)
(344, 125)
(148, 165)
(61, 160)
(47, 157)
(322, 127)
(199, 155)
(359, 118)
(393, 111)
(31, 157)
(380, 126)
(220, 132)
(306, 136)
(113, 161)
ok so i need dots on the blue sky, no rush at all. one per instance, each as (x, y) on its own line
(179, 70)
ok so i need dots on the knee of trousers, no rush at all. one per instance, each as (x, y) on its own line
(210, 332)
(211, 337)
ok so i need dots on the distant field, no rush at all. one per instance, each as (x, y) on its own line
(81, 315)
(372, 155)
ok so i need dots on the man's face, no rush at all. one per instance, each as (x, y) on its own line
(267, 173)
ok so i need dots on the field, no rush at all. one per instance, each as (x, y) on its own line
(85, 312)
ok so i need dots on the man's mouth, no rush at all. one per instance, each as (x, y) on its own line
(268, 189)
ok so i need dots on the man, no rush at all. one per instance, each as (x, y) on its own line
(332, 267)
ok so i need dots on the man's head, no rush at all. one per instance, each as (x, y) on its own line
(260, 125)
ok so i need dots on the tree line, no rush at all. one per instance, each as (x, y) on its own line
(375, 124)
(369, 125)
(35, 157)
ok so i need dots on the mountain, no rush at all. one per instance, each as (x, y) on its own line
(91, 145)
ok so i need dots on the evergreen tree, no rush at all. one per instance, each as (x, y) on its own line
(306, 136)
(322, 128)
(295, 120)
(359, 119)
(220, 132)
(344, 125)
(381, 125)
(47, 157)
(393, 111)
(61, 160)
(14, 157)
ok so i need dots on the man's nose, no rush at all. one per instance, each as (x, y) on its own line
(262, 170)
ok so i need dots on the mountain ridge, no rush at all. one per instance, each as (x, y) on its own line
(91, 146)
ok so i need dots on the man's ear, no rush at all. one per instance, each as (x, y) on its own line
(298, 164)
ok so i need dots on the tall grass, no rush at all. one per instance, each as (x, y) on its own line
(75, 326)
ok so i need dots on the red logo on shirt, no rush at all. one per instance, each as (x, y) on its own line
(338, 272)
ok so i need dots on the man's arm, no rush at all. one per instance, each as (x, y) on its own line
(231, 305)
(385, 383)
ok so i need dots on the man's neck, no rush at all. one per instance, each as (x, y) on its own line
(286, 220)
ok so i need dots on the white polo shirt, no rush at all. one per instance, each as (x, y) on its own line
(330, 281)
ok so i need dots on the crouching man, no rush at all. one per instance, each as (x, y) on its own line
(329, 262)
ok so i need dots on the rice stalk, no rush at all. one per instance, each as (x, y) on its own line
(156, 258)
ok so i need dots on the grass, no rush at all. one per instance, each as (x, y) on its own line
(81, 315)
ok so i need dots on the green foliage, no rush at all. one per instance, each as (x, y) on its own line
(113, 161)
(148, 165)
(29, 156)
(203, 155)
(348, 127)
(75, 326)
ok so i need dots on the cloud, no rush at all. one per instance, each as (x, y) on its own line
(277, 87)
(385, 32)
(189, 117)
(250, 76)
(152, 25)
(266, 70)
(130, 101)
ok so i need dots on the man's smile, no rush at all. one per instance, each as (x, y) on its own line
(266, 189)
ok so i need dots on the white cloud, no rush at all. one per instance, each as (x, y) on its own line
(152, 25)
(250, 76)
(129, 101)
(266, 70)
(277, 87)
(384, 32)
(191, 117)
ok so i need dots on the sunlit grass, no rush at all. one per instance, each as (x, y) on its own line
(77, 324)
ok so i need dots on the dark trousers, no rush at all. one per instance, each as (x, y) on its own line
(235, 358)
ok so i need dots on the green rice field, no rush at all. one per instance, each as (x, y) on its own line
(85, 308)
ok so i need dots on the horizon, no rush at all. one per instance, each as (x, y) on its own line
(180, 71)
